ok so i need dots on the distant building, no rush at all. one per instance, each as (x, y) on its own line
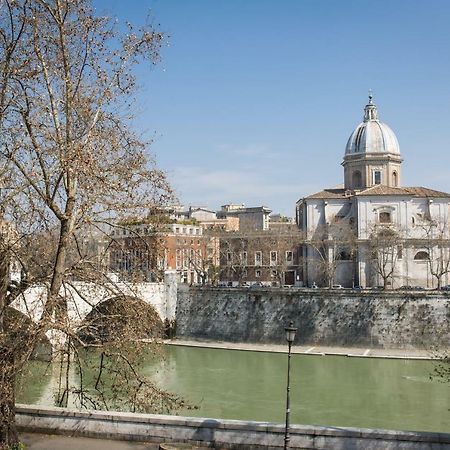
(282, 223)
(201, 214)
(140, 252)
(267, 257)
(250, 219)
(372, 231)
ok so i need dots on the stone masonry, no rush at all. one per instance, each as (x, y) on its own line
(383, 319)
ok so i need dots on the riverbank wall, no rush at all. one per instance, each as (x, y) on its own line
(217, 433)
(371, 319)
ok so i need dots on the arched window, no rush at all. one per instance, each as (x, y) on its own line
(394, 179)
(421, 256)
(357, 179)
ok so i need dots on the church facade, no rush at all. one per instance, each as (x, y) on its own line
(372, 231)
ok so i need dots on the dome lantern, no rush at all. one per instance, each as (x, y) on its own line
(370, 111)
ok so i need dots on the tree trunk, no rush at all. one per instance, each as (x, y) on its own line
(55, 306)
(8, 431)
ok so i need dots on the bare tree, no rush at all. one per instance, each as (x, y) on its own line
(333, 244)
(69, 161)
(437, 244)
(204, 261)
(281, 250)
(271, 252)
(385, 242)
(234, 256)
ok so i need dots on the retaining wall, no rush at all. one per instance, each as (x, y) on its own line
(389, 319)
(230, 434)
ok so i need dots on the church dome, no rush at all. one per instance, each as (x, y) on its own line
(372, 136)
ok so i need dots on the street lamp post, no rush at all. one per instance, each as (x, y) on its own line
(290, 336)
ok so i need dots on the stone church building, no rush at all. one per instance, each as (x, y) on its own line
(372, 231)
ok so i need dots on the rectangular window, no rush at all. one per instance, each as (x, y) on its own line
(399, 251)
(257, 273)
(229, 257)
(377, 177)
(244, 258)
(258, 258)
(273, 258)
(345, 254)
(289, 257)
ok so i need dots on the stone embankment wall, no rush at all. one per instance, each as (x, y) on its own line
(336, 317)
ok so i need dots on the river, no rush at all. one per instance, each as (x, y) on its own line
(325, 390)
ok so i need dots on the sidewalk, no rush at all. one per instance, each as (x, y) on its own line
(310, 350)
(35, 441)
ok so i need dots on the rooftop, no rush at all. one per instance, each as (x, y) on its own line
(379, 189)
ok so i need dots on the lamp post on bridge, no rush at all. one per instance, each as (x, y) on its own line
(290, 336)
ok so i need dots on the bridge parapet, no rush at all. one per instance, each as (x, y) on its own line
(82, 297)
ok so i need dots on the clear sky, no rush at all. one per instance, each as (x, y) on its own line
(254, 100)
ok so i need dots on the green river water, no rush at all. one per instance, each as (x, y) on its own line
(325, 390)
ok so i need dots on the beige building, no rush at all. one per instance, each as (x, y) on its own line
(250, 218)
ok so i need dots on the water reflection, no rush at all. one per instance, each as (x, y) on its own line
(32, 383)
(337, 391)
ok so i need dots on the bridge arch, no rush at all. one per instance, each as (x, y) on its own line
(121, 317)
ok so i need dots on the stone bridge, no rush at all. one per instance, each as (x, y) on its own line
(82, 298)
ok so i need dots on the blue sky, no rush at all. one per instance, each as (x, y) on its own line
(254, 100)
